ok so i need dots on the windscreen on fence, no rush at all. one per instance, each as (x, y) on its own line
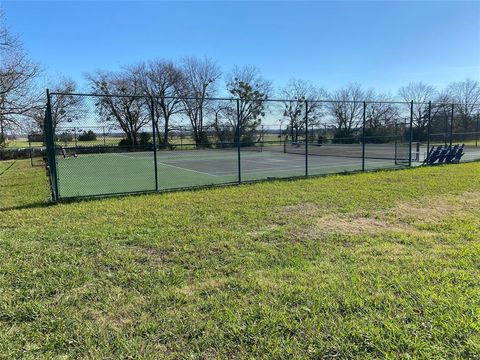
(110, 144)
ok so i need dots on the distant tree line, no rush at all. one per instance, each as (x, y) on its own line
(176, 93)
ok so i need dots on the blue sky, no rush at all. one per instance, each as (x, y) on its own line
(378, 44)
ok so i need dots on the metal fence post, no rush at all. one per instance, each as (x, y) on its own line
(476, 131)
(238, 143)
(396, 143)
(50, 144)
(429, 126)
(451, 126)
(201, 126)
(262, 137)
(306, 138)
(410, 136)
(363, 135)
(155, 165)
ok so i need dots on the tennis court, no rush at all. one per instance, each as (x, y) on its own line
(133, 171)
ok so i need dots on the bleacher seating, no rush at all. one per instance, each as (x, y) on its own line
(444, 154)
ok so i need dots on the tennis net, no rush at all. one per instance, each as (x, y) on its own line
(390, 151)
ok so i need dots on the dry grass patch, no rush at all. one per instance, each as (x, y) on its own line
(196, 288)
(436, 210)
(404, 217)
(355, 225)
(126, 312)
(304, 209)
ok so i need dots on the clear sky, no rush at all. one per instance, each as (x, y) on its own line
(378, 44)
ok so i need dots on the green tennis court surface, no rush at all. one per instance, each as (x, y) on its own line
(106, 173)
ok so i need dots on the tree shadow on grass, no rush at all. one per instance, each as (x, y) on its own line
(33, 205)
(7, 168)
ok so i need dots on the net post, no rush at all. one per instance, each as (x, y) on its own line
(410, 140)
(104, 142)
(429, 126)
(306, 138)
(155, 165)
(50, 144)
(238, 143)
(451, 125)
(363, 135)
(200, 111)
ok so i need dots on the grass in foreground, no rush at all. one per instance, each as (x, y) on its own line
(373, 265)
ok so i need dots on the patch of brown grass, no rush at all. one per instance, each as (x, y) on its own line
(194, 288)
(404, 217)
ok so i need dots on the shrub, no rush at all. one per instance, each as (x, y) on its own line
(65, 137)
(35, 138)
(87, 136)
(125, 142)
(145, 138)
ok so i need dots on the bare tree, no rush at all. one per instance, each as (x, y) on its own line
(381, 116)
(466, 96)
(129, 110)
(162, 80)
(64, 105)
(295, 93)
(420, 93)
(440, 114)
(200, 77)
(18, 94)
(346, 108)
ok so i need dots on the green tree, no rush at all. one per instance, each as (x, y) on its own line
(248, 86)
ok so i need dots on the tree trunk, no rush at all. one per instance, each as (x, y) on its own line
(2, 135)
(165, 134)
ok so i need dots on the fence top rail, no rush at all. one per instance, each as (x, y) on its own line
(143, 96)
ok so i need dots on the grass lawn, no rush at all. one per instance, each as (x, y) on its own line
(22, 143)
(376, 265)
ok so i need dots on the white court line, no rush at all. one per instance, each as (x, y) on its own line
(265, 170)
(254, 171)
(185, 169)
(176, 167)
(131, 157)
(318, 167)
(266, 159)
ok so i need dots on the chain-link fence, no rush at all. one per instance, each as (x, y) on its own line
(29, 145)
(104, 145)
